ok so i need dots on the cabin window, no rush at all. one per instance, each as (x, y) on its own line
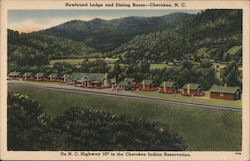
(221, 94)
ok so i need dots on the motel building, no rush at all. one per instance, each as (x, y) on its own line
(146, 85)
(192, 89)
(14, 75)
(224, 92)
(27, 76)
(127, 84)
(53, 77)
(91, 80)
(40, 77)
(168, 87)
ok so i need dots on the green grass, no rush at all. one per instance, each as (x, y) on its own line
(77, 61)
(204, 100)
(110, 63)
(233, 50)
(202, 129)
(71, 61)
(201, 51)
(159, 66)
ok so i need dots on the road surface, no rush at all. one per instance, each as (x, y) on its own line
(122, 95)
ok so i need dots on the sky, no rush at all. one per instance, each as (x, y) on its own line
(35, 20)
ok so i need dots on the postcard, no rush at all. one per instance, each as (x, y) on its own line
(124, 80)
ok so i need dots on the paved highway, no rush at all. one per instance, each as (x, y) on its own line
(122, 95)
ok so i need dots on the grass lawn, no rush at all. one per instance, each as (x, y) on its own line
(110, 63)
(202, 51)
(71, 61)
(233, 50)
(204, 100)
(78, 61)
(159, 66)
(202, 129)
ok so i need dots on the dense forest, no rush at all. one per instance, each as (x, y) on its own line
(30, 128)
(176, 36)
(106, 35)
(213, 31)
(195, 40)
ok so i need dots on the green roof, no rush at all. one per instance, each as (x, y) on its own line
(193, 86)
(28, 74)
(40, 74)
(129, 79)
(88, 76)
(14, 74)
(147, 81)
(222, 89)
(124, 83)
(168, 84)
(53, 75)
(64, 75)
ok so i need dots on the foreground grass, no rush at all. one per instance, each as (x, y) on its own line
(202, 129)
(203, 100)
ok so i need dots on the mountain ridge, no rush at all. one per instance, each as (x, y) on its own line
(106, 35)
(211, 34)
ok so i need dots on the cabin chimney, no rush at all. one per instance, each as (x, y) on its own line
(106, 83)
(143, 83)
(164, 86)
(188, 89)
(64, 78)
(25, 76)
(225, 84)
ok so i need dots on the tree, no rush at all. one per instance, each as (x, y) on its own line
(206, 74)
(97, 66)
(30, 128)
(138, 71)
(231, 75)
(28, 124)
(86, 129)
(63, 68)
(117, 72)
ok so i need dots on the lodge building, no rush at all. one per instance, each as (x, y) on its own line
(14, 75)
(88, 79)
(127, 84)
(226, 93)
(146, 85)
(53, 77)
(40, 77)
(27, 76)
(192, 89)
(168, 87)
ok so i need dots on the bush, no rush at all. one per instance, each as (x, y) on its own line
(28, 124)
(30, 128)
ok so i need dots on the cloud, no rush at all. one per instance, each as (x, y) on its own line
(30, 25)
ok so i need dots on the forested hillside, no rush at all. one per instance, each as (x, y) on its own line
(37, 49)
(202, 44)
(106, 35)
(212, 34)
